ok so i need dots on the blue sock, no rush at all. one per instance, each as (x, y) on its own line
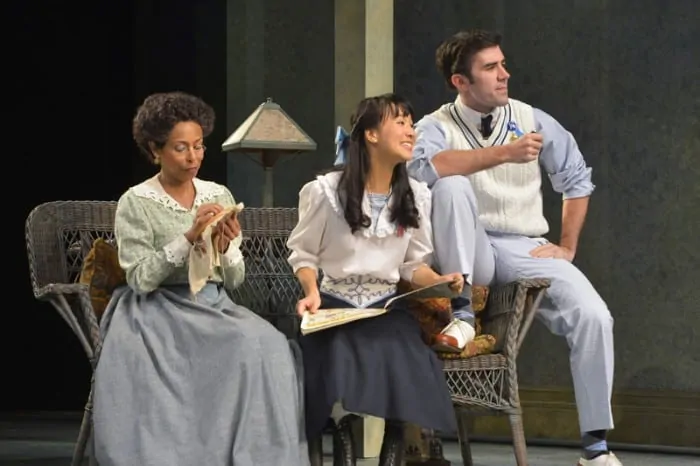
(594, 444)
(462, 306)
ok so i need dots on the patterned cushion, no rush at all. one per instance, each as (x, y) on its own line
(479, 296)
(435, 313)
(102, 274)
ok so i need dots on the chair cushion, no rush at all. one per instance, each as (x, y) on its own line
(102, 273)
(480, 295)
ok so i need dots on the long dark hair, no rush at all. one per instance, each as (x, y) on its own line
(370, 113)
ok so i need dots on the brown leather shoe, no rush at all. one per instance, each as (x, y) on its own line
(445, 344)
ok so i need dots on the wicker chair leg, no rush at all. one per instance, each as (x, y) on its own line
(465, 448)
(519, 445)
(84, 434)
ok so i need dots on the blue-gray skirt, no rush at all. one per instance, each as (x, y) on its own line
(378, 366)
(187, 381)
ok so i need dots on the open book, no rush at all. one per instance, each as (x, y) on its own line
(328, 318)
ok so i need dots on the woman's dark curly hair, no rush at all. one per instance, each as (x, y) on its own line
(159, 113)
(370, 113)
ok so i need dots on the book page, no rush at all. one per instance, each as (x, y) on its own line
(328, 318)
(439, 289)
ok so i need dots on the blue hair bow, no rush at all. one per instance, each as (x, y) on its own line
(342, 139)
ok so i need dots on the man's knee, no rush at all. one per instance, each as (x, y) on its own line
(597, 315)
(592, 312)
(574, 296)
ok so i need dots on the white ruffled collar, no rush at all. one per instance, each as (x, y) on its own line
(152, 189)
(384, 226)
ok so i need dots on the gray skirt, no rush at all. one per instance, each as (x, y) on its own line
(186, 382)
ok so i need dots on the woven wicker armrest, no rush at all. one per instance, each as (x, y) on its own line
(53, 290)
(72, 301)
(509, 312)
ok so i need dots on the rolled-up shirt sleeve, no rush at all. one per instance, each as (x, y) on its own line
(562, 160)
(430, 140)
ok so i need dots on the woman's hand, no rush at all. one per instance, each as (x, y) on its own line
(201, 218)
(310, 303)
(226, 230)
(457, 281)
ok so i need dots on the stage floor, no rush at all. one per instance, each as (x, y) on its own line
(48, 441)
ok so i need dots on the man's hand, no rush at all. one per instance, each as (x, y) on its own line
(553, 251)
(526, 149)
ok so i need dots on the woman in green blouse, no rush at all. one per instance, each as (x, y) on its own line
(188, 379)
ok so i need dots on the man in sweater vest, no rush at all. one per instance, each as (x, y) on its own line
(482, 156)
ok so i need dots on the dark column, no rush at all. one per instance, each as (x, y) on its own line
(283, 50)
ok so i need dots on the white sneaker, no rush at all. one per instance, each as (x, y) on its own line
(454, 337)
(608, 459)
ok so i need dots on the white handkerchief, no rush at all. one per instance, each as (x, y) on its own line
(204, 256)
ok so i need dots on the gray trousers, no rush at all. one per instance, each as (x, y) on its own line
(571, 307)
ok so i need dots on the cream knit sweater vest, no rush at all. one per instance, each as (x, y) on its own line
(509, 195)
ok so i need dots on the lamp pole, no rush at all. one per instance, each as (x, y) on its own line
(269, 158)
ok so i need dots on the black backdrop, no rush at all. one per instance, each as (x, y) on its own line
(77, 73)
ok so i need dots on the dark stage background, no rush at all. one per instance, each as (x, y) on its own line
(78, 77)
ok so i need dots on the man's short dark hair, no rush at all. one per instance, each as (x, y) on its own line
(456, 54)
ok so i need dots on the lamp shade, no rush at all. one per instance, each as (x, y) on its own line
(269, 128)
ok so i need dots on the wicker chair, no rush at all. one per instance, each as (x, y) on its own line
(488, 383)
(60, 234)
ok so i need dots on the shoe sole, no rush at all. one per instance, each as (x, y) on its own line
(446, 349)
